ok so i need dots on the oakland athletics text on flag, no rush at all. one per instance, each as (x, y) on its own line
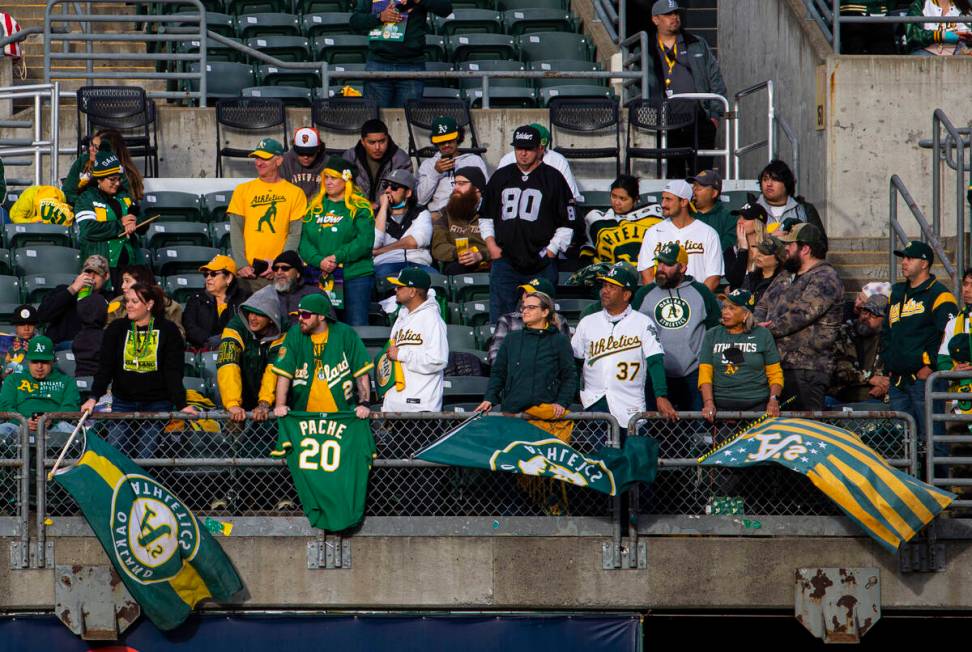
(168, 561)
(329, 456)
(889, 504)
(509, 444)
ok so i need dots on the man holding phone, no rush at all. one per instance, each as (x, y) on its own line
(437, 175)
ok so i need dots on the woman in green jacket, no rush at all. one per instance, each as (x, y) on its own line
(535, 365)
(79, 176)
(938, 39)
(106, 217)
(337, 238)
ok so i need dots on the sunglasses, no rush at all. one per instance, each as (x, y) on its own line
(211, 274)
(305, 314)
(393, 186)
(281, 268)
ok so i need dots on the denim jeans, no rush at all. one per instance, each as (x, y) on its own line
(357, 300)
(392, 93)
(384, 270)
(503, 282)
(136, 439)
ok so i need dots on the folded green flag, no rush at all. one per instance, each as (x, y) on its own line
(514, 445)
(167, 559)
(889, 504)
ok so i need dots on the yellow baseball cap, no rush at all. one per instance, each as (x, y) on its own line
(220, 263)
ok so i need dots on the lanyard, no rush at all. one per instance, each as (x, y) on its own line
(670, 61)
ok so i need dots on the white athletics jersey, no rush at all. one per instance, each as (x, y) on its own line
(614, 361)
(698, 238)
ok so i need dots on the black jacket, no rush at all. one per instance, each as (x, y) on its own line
(58, 312)
(201, 319)
(395, 158)
(92, 312)
(702, 63)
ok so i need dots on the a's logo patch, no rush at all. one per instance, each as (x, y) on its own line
(672, 312)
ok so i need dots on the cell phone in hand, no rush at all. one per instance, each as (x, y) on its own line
(260, 266)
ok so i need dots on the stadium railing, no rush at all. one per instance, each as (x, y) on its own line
(44, 138)
(948, 434)
(15, 488)
(222, 469)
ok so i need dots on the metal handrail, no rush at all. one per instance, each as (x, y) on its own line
(610, 18)
(726, 151)
(628, 58)
(939, 121)
(932, 459)
(896, 188)
(770, 142)
(39, 146)
(794, 141)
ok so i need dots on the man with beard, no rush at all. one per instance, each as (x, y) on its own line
(803, 309)
(619, 349)
(858, 369)
(456, 240)
(681, 309)
(288, 287)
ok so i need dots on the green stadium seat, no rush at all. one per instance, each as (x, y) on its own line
(567, 45)
(295, 96)
(341, 48)
(571, 309)
(469, 21)
(215, 51)
(471, 83)
(507, 5)
(373, 335)
(10, 290)
(465, 287)
(285, 48)
(267, 24)
(176, 233)
(47, 259)
(305, 7)
(172, 206)
(223, 78)
(566, 65)
(19, 235)
(503, 97)
(474, 313)
(461, 338)
(733, 198)
(484, 334)
(337, 83)
(182, 286)
(190, 366)
(474, 4)
(573, 90)
(240, 7)
(219, 235)
(6, 264)
(214, 204)
(65, 363)
(182, 258)
(439, 93)
(435, 47)
(207, 364)
(595, 200)
(438, 82)
(479, 47)
(217, 22)
(320, 24)
(186, 7)
(526, 21)
(457, 389)
(196, 384)
(8, 310)
(293, 77)
(453, 312)
(461, 408)
(37, 285)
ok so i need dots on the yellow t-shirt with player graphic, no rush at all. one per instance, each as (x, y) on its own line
(267, 210)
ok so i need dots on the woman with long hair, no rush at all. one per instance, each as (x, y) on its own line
(131, 275)
(80, 175)
(616, 234)
(141, 360)
(767, 263)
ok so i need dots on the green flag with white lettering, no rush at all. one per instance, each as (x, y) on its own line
(166, 557)
(513, 445)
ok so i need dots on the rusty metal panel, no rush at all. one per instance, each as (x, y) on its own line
(93, 602)
(838, 605)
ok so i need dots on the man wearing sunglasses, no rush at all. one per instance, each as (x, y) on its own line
(402, 231)
(287, 287)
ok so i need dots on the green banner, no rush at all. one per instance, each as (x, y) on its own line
(514, 445)
(329, 456)
(889, 504)
(168, 561)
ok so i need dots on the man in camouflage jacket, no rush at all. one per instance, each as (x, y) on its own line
(803, 309)
(858, 367)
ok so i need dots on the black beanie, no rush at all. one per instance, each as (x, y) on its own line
(475, 176)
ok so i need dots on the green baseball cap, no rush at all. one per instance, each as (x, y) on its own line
(917, 249)
(672, 253)
(106, 164)
(622, 275)
(317, 303)
(538, 284)
(444, 129)
(958, 348)
(544, 133)
(740, 297)
(40, 349)
(411, 277)
(267, 148)
(337, 166)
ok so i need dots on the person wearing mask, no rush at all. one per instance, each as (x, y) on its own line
(117, 307)
(456, 238)
(617, 233)
(287, 289)
(142, 358)
(338, 238)
(58, 310)
(14, 347)
(208, 311)
(418, 350)
(403, 232)
(374, 155)
(437, 175)
(739, 365)
(303, 163)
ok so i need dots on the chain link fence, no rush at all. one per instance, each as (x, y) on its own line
(682, 487)
(15, 481)
(219, 467)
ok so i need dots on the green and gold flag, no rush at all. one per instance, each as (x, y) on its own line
(889, 504)
(388, 372)
(514, 445)
(167, 559)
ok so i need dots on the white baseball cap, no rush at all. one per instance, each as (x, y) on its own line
(679, 188)
(306, 140)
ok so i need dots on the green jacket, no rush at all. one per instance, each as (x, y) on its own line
(533, 367)
(23, 394)
(912, 332)
(99, 227)
(412, 48)
(918, 37)
(864, 7)
(73, 186)
(332, 229)
(720, 220)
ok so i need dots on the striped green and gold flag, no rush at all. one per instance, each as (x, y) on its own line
(167, 559)
(889, 504)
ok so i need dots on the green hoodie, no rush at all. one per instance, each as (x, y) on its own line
(23, 394)
(73, 185)
(411, 50)
(332, 229)
(533, 366)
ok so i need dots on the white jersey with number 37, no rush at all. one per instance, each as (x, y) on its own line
(614, 361)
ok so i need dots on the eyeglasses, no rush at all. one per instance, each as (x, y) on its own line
(282, 268)
(113, 179)
(395, 187)
(305, 314)
(211, 274)
(532, 307)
